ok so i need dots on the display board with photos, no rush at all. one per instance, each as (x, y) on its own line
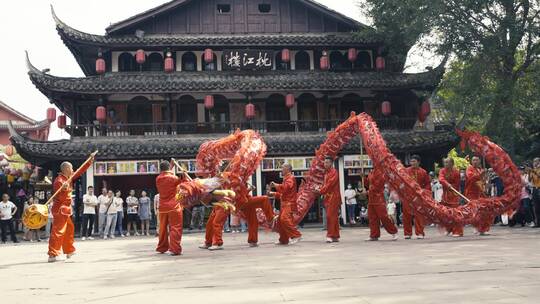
(131, 167)
(297, 163)
(359, 161)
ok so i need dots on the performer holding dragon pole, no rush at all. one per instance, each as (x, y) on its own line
(422, 178)
(170, 210)
(286, 192)
(62, 230)
(332, 200)
(377, 212)
(475, 189)
(450, 179)
(248, 207)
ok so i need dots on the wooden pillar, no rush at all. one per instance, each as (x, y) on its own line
(169, 114)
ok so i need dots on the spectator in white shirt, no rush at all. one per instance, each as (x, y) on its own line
(111, 216)
(132, 211)
(119, 213)
(90, 202)
(350, 201)
(156, 212)
(103, 202)
(436, 188)
(7, 211)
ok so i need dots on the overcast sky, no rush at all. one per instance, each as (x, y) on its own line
(28, 25)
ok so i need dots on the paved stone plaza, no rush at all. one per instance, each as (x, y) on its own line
(502, 268)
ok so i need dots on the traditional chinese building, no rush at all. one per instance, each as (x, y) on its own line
(160, 83)
(24, 125)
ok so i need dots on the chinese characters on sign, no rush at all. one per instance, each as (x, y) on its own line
(248, 60)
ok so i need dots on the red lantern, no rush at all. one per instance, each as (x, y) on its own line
(286, 55)
(169, 64)
(425, 108)
(100, 65)
(250, 111)
(140, 56)
(51, 114)
(380, 63)
(9, 150)
(386, 108)
(208, 56)
(352, 54)
(209, 101)
(289, 100)
(325, 63)
(101, 114)
(62, 121)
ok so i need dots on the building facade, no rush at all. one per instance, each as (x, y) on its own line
(160, 83)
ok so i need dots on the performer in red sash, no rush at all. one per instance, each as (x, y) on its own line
(248, 206)
(62, 230)
(377, 212)
(449, 179)
(475, 189)
(332, 200)
(170, 211)
(286, 192)
(214, 228)
(422, 178)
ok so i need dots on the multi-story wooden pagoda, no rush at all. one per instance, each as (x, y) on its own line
(160, 83)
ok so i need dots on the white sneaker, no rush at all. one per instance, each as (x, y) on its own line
(253, 245)
(531, 224)
(329, 240)
(104, 237)
(69, 255)
(52, 259)
(419, 237)
(279, 243)
(295, 240)
(215, 247)
(83, 238)
(394, 237)
(407, 237)
(204, 246)
(335, 240)
(122, 235)
(112, 236)
(137, 234)
(90, 238)
(371, 239)
(456, 235)
(127, 234)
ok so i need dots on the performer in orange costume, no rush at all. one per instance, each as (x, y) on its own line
(332, 200)
(377, 212)
(62, 230)
(475, 189)
(214, 228)
(170, 211)
(286, 192)
(422, 178)
(248, 206)
(449, 178)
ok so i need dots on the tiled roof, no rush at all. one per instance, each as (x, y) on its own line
(152, 147)
(71, 37)
(232, 81)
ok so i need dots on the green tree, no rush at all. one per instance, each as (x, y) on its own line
(495, 43)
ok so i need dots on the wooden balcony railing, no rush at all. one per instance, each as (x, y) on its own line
(141, 129)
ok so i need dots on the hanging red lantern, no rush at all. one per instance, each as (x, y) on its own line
(100, 66)
(140, 56)
(352, 54)
(325, 63)
(380, 63)
(169, 63)
(209, 101)
(425, 108)
(289, 100)
(101, 114)
(250, 111)
(386, 108)
(208, 56)
(286, 55)
(61, 121)
(51, 114)
(10, 150)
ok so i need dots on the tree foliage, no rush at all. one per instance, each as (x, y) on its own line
(496, 48)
